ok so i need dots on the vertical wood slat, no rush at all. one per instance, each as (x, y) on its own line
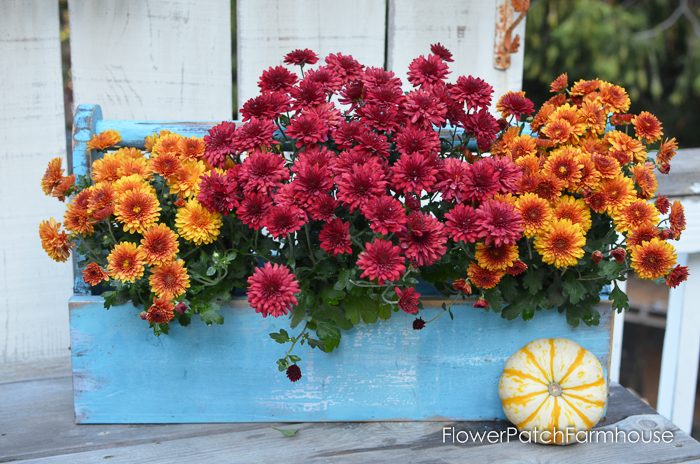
(466, 27)
(33, 289)
(153, 59)
(268, 29)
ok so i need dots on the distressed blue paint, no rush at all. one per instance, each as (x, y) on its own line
(384, 371)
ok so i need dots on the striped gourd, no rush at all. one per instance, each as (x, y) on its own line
(553, 384)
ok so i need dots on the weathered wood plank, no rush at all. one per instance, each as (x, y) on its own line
(33, 321)
(153, 58)
(268, 29)
(415, 24)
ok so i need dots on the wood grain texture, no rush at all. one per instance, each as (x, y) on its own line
(33, 320)
(268, 29)
(153, 58)
(465, 27)
(384, 371)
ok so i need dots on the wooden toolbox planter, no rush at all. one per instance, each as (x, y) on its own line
(199, 373)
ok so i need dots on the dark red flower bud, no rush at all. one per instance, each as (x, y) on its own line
(293, 372)
(462, 286)
(180, 308)
(481, 303)
(502, 124)
(666, 234)
(517, 268)
(418, 323)
(143, 315)
(662, 204)
(619, 255)
(412, 202)
(597, 256)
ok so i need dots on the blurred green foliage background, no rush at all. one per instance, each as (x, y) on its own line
(651, 47)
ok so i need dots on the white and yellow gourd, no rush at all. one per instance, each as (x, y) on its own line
(553, 384)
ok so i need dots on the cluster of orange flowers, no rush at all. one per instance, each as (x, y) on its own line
(123, 190)
(576, 165)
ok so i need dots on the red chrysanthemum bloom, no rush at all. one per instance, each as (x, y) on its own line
(307, 95)
(385, 214)
(344, 66)
(281, 220)
(498, 222)
(483, 126)
(358, 186)
(256, 133)
(383, 117)
(312, 181)
(424, 109)
(323, 208)
(262, 171)
(473, 91)
(414, 173)
(93, 274)
(515, 104)
(642, 234)
(272, 290)
(509, 173)
(352, 94)
(412, 140)
(373, 143)
(423, 239)
(307, 129)
(663, 204)
(427, 71)
(301, 57)
(267, 105)
(440, 50)
(335, 237)
(381, 260)
(346, 134)
(452, 179)
(460, 223)
(276, 78)
(161, 311)
(409, 300)
(327, 79)
(253, 209)
(481, 180)
(217, 191)
(647, 127)
(678, 275)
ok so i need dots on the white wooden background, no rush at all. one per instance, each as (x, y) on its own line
(171, 59)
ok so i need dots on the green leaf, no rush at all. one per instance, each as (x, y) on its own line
(282, 364)
(280, 337)
(343, 280)
(495, 299)
(211, 271)
(287, 433)
(294, 358)
(298, 315)
(533, 281)
(619, 299)
(574, 289)
(610, 270)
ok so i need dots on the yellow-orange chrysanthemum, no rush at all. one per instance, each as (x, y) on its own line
(54, 183)
(197, 224)
(151, 140)
(165, 164)
(563, 164)
(191, 148)
(482, 277)
(617, 192)
(522, 145)
(593, 116)
(124, 262)
(561, 244)
(106, 139)
(625, 148)
(496, 257)
(573, 209)
(653, 259)
(131, 161)
(77, 218)
(645, 179)
(647, 127)
(106, 169)
(535, 212)
(100, 204)
(54, 241)
(614, 98)
(635, 214)
(167, 143)
(590, 176)
(159, 244)
(185, 182)
(132, 182)
(137, 210)
(169, 280)
(558, 130)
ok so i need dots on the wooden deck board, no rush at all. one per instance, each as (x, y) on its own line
(37, 426)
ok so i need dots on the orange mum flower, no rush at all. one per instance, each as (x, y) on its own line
(570, 114)
(165, 164)
(638, 213)
(100, 204)
(124, 262)
(54, 183)
(624, 148)
(676, 219)
(530, 164)
(642, 234)
(106, 168)
(103, 140)
(617, 192)
(614, 98)
(132, 161)
(666, 152)
(159, 244)
(151, 140)
(161, 311)
(186, 179)
(169, 280)
(563, 164)
(590, 176)
(593, 116)
(561, 244)
(560, 83)
(76, 218)
(522, 145)
(607, 166)
(653, 259)
(647, 127)
(558, 131)
(582, 87)
(167, 143)
(542, 116)
(197, 224)
(132, 182)
(535, 211)
(191, 148)
(55, 242)
(645, 179)
(573, 209)
(542, 184)
(93, 274)
(137, 210)
(482, 277)
(496, 257)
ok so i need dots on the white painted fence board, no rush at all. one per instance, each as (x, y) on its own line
(466, 27)
(268, 29)
(33, 289)
(153, 59)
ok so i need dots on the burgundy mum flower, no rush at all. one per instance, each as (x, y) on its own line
(267, 105)
(256, 133)
(440, 50)
(307, 129)
(480, 181)
(678, 275)
(252, 209)
(509, 173)
(357, 186)
(272, 289)
(380, 116)
(452, 179)
(373, 143)
(344, 66)
(217, 191)
(262, 171)
(414, 140)
(423, 239)
(307, 95)
(352, 94)
(483, 126)
(276, 78)
(301, 57)
(281, 220)
(418, 323)
(323, 208)
(414, 173)
(335, 237)
(460, 223)
(218, 143)
(427, 71)
(385, 93)
(385, 214)
(326, 78)
(473, 91)
(347, 133)
(311, 182)
(515, 104)
(381, 260)
(409, 300)
(374, 77)
(498, 223)
(424, 109)
(293, 373)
